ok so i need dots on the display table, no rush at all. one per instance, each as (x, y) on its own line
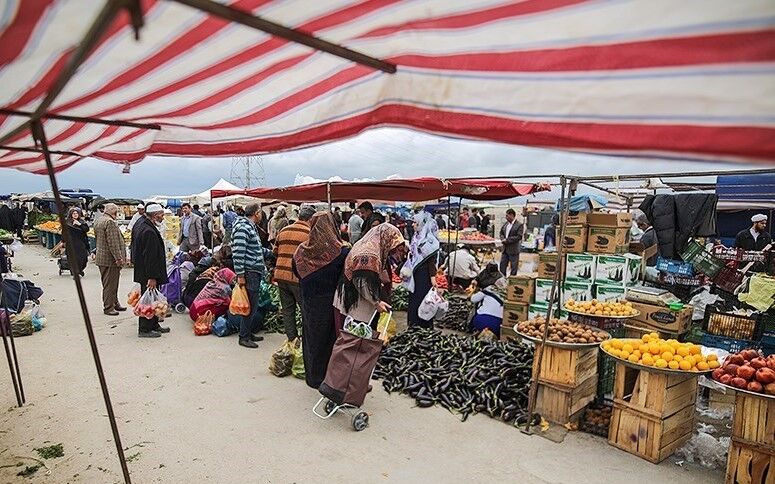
(752, 450)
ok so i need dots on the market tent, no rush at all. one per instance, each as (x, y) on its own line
(407, 190)
(220, 185)
(657, 79)
(746, 191)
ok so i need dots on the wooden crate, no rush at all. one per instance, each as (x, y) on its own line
(754, 421)
(656, 394)
(721, 401)
(649, 437)
(562, 404)
(507, 333)
(565, 366)
(749, 464)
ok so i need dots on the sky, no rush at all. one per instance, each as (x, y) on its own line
(376, 154)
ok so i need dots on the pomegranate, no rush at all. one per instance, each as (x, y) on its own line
(769, 389)
(749, 355)
(726, 379)
(771, 362)
(755, 386)
(759, 363)
(765, 376)
(731, 369)
(735, 360)
(717, 373)
(746, 372)
(739, 383)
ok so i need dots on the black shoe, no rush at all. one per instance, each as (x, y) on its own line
(247, 343)
(148, 334)
(256, 338)
(119, 308)
(111, 312)
(162, 329)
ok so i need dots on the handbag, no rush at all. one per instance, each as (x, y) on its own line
(349, 369)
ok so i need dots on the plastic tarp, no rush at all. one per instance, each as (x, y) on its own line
(746, 191)
(407, 190)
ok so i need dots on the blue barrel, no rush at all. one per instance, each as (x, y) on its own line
(50, 240)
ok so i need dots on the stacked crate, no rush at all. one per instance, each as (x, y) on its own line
(752, 451)
(567, 382)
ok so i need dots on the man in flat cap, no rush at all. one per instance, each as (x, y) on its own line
(756, 237)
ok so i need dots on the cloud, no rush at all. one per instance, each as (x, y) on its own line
(376, 154)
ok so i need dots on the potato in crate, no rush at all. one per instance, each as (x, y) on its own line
(729, 325)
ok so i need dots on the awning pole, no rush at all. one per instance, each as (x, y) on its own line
(554, 294)
(13, 360)
(40, 137)
(328, 195)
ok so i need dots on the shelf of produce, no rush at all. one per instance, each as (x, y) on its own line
(653, 412)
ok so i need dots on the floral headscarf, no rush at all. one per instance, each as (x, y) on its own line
(322, 247)
(220, 286)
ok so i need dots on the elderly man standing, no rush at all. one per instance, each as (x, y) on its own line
(111, 255)
(248, 256)
(149, 259)
(191, 235)
(288, 240)
(137, 216)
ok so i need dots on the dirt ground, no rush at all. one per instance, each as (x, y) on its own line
(202, 409)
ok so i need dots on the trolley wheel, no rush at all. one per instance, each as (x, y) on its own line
(330, 406)
(180, 308)
(360, 421)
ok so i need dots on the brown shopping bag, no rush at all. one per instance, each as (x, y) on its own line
(349, 369)
(240, 304)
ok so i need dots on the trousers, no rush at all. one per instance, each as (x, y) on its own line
(512, 260)
(110, 277)
(253, 322)
(289, 301)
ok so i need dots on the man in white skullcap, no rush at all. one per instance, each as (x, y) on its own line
(149, 259)
(136, 216)
(756, 237)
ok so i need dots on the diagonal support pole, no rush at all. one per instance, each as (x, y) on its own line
(40, 138)
(10, 350)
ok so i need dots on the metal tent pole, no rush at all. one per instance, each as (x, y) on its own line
(13, 361)
(553, 295)
(328, 195)
(39, 135)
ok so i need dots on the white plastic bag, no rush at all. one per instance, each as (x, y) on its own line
(152, 304)
(16, 246)
(432, 306)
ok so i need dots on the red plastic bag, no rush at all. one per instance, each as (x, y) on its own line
(203, 324)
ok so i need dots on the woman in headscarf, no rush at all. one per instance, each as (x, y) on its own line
(279, 221)
(215, 297)
(360, 290)
(198, 279)
(488, 299)
(77, 228)
(420, 267)
(318, 263)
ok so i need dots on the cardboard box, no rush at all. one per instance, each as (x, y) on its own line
(577, 218)
(539, 309)
(513, 313)
(608, 240)
(580, 267)
(543, 289)
(578, 291)
(507, 332)
(610, 292)
(618, 219)
(660, 318)
(575, 238)
(618, 269)
(520, 289)
(547, 264)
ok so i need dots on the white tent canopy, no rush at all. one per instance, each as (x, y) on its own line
(201, 198)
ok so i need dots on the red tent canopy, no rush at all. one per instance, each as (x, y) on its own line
(406, 190)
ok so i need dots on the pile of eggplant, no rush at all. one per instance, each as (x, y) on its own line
(462, 374)
(458, 316)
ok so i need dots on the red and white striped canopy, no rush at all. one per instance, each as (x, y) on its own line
(689, 79)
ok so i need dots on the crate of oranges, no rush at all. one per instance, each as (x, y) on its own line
(608, 309)
(657, 353)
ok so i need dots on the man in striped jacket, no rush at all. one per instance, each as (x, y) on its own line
(286, 243)
(248, 256)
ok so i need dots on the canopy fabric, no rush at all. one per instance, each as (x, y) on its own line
(746, 191)
(404, 190)
(688, 80)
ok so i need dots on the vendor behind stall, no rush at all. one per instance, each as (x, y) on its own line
(755, 237)
(461, 266)
(487, 301)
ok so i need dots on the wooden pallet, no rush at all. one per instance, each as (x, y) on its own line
(750, 464)
(565, 366)
(649, 437)
(562, 404)
(656, 394)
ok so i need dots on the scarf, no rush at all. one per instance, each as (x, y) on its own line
(322, 247)
(425, 244)
(368, 259)
(219, 287)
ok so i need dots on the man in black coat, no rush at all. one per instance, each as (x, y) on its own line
(756, 237)
(148, 257)
(19, 216)
(511, 238)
